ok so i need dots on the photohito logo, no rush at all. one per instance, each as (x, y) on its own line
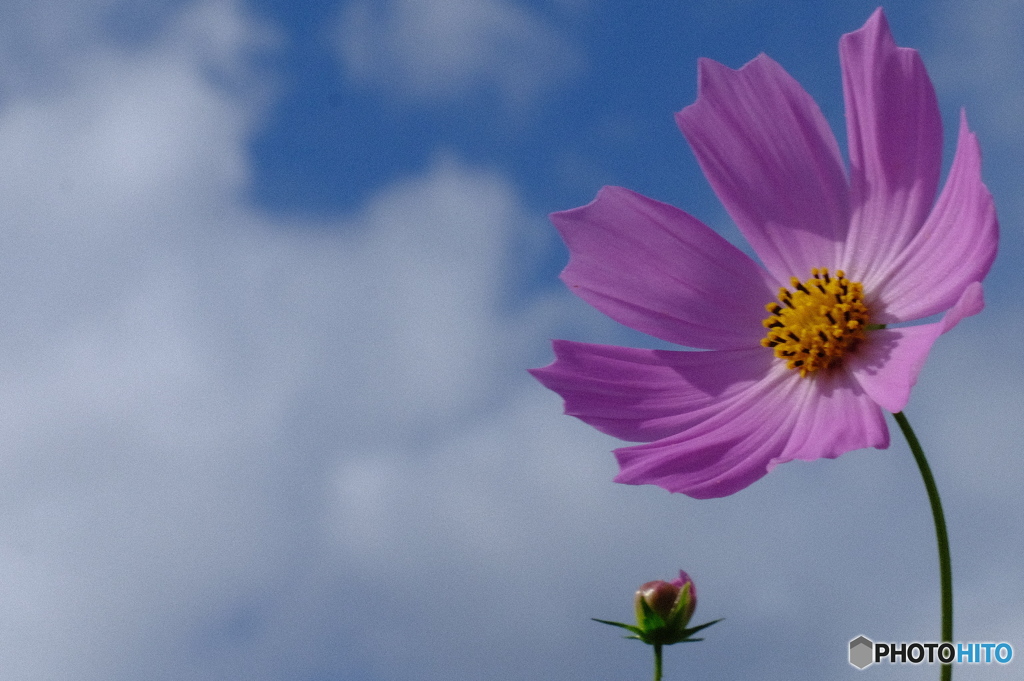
(865, 652)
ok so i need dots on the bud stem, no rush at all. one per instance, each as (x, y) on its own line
(657, 662)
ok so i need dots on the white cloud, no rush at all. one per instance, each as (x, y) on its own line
(184, 381)
(37, 39)
(438, 49)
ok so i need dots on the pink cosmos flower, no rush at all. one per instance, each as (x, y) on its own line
(797, 365)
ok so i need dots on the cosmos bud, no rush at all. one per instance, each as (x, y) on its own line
(672, 602)
(663, 609)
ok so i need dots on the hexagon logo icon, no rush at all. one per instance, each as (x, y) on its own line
(861, 652)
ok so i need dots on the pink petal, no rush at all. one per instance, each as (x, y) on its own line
(774, 163)
(783, 417)
(836, 416)
(644, 395)
(895, 137)
(955, 247)
(888, 364)
(656, 269)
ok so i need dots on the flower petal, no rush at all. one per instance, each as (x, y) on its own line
(895, 137)
(955, 247)
(781, 418)
(774, 163)
(836, 416)
(644, 395)
(658, 270)
(889, 362)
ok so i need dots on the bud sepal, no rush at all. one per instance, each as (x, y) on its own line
(663, 609)
(657, 637)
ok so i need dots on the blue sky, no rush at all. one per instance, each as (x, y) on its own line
(271, 276)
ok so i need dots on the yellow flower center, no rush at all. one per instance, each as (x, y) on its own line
(822, 319)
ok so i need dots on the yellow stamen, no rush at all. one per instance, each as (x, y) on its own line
(822, 319)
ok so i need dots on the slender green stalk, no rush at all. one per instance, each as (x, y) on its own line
(945, 565)
(657, 662)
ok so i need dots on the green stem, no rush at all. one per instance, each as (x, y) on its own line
(657, 662)
(945, 565)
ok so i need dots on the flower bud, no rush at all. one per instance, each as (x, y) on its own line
(663, 609)
(673, 603)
